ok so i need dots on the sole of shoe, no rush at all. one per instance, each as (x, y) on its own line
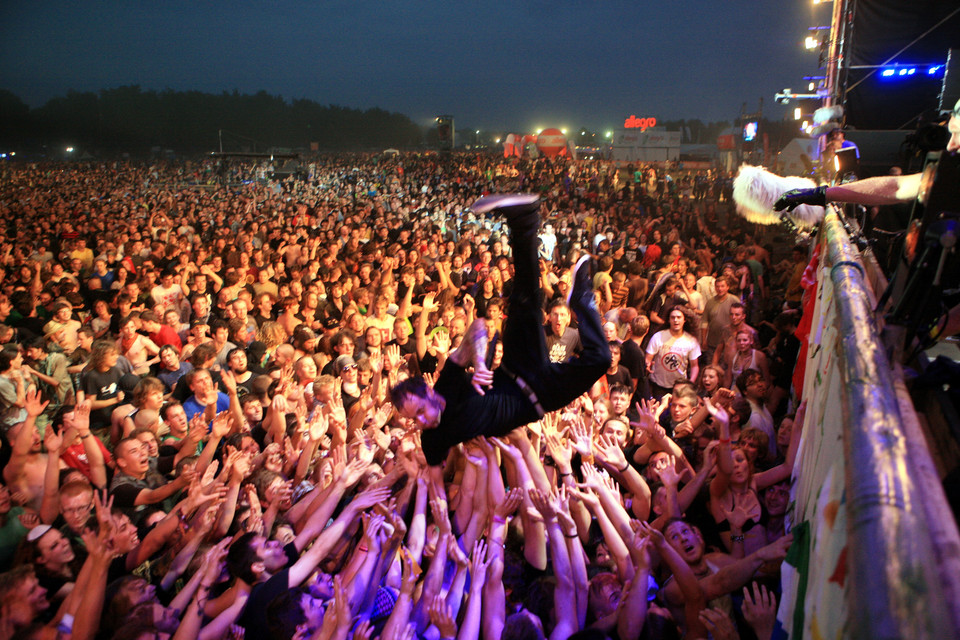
(500, 200)
(576, 268)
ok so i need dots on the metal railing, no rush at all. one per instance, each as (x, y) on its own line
(902, 556)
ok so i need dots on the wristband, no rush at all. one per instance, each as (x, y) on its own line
(363, 548)
(571, 537)
(564, 475)
(724, 440)
(86, 436)
(66, 624)
(734, 538)
(625, 467)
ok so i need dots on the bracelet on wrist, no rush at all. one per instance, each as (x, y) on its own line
(724, 440)
(568, 473)
(734, 538)
(500, 519)
(625, 467)
(570, 536)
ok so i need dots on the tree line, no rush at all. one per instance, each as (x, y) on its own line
(129, 119)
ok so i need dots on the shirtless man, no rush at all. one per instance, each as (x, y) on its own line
(727, 349)
(24, 473)
(719, 574)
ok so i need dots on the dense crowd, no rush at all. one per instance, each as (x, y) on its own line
(199, 435)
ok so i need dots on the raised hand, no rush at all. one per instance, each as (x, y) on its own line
(354, 470)
(81, 417)
(509, 449)
(592, 479)
(364, 630)
(580, 439)
(653, 534)
(376, 363)
(280, 404)
(102, 504)
(338, 416)
(410, 570)
(479, 561)
(648, 411)
(318, 426)
(723, 397)
(563, 511)
(475, 456)
(429, 303)
(229, 381)
(776, 550)
(392, 353)
(441, 615)
(469, 304)
(717, 412)
(710, 455)
(52, 440)
(611, 485)
(441, 341)
(279, 494)
(441, 515)
(382, 416)
(609, 451)
(209, 474)
(221, 425)
(560, 451)
(372, 524)
(760, 609)
(34, 403)
(683, 429)
(586, 403)
(341, 603)
(737, 516)
(719, 624)
(510, 503)
(370, 497)
(241, 468)
(29, 519)
(668, 473)
(482, 377)
(545, 503)
(587, 497)
(196, 496)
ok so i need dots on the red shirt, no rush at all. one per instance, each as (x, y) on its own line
(75, 457)
(167, 335)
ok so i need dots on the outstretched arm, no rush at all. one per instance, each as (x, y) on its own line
(880, 190)
(565, 592)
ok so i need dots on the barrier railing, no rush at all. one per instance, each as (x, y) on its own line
(876, 549)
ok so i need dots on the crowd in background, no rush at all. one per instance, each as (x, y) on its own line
(198, 440)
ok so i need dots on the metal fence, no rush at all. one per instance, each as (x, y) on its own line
(877, 552)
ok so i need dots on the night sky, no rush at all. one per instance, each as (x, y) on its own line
(493, 65)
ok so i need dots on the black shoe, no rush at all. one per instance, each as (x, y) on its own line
(582, 278)
(520, 209)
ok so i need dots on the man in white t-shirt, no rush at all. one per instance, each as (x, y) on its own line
(168, 293)
(672, 355)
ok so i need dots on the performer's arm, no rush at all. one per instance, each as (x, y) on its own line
(877, 191)
(880, 190)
